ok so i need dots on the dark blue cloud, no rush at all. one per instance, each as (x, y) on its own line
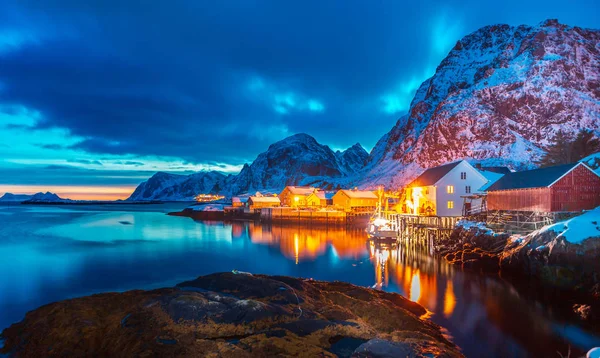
(218, 81)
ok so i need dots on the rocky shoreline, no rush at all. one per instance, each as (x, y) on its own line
(232, 315)
(544, 259)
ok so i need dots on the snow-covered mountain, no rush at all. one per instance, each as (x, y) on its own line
(352, 159)
(296, 160)
(15, 198)
(40, 197)
(46, 197)
(498, 97)
(165, 186)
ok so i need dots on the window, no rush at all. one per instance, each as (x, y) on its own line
(468, 189)
(450, 189)
(450, 205)
(463, 175)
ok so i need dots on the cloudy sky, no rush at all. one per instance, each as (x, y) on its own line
(97, 95)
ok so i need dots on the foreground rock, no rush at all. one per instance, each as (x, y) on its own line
(232, 315)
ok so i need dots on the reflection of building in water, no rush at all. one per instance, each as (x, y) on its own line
(302, 243)
(418, 276)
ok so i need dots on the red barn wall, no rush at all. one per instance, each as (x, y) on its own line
(576, 191)
(535, 199)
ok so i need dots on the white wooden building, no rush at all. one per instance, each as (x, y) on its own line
(439, 191)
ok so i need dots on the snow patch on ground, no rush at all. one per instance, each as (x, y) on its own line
(578, 229)
(468, 225)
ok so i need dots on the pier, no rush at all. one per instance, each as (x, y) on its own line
(422, 228)
(287, 215)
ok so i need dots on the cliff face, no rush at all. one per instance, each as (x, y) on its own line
(498, 97)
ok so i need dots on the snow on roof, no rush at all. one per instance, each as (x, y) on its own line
(433, 175)
(498, 170)
(300, 190)
(492, 178)
(237, 199)
(537, 178)
(264, 199)
(579, 228)
(359, 194)
(323, 195)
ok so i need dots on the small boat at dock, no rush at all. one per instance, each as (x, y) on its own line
(379, 227)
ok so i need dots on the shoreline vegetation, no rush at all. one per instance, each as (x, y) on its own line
(237, 315)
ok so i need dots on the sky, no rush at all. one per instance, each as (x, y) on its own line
(97, 95)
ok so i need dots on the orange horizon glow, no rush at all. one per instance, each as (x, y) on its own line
(73, 192)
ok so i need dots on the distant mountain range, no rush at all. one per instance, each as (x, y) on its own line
(47, 197)
(497, 98)
(296, 160)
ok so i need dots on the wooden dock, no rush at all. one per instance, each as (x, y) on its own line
(423, 228)
(287, 215)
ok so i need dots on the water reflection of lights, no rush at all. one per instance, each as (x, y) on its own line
(449, 299)
(415, 287)
(302, 244)
(296, 246)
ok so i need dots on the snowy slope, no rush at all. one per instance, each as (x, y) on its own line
(497, 97)
(296, 160)
(165, 186)
(352, 159)
(579, 228)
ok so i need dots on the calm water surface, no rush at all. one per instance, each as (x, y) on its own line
(49, 253)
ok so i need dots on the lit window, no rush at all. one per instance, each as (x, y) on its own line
(463, 175)
(468, 189)
(450, 189)
(450, 205)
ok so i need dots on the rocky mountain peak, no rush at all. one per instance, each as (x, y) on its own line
(498, 97)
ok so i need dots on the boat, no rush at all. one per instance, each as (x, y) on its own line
(379, 227)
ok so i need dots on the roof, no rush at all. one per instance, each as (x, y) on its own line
(300, 190)
(537, 178)
(433, 175)
(359, 194)
(498, 170)
(264, 199)
(323, 195)
(237, 199)
(492, 178)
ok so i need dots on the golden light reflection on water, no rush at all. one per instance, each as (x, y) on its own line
(449, 300)
(416, 275)
(415, 287)
(302, 243)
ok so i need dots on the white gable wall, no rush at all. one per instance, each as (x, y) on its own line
(474, 179)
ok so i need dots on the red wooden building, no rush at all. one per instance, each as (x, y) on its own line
(570, 187)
